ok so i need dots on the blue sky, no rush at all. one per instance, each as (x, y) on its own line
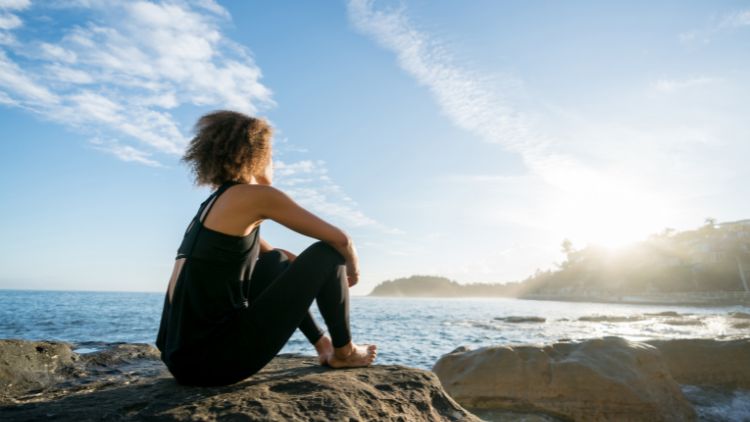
(464, 139)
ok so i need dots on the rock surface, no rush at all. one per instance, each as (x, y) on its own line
(516, 319)
(602, 379)
(718, 363)
(48, 380)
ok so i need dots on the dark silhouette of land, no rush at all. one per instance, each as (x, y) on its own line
(706, 265)
(433, 286)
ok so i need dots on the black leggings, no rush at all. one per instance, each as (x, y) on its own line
(268, 267)
(281, 296)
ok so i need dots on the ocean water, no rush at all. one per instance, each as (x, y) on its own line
(408, 331)
(413, 332)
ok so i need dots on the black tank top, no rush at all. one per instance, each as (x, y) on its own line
(211, 287)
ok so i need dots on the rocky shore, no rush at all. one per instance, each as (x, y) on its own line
(604, 379)
(600, 379)
(49, 380)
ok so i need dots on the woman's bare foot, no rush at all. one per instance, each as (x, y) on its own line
(353, 356)
(324, 347)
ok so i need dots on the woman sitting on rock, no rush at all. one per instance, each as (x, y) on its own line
(233, 300)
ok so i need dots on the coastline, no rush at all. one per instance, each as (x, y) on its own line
(718, 299)
(709, 299)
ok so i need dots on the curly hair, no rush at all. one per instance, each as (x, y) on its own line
(228, 146)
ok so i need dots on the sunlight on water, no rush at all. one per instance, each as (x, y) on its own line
(414, 332)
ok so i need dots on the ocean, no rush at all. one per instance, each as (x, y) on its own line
(408, 331)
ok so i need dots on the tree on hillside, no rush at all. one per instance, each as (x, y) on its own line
(566, 247)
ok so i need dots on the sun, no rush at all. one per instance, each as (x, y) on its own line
(614, 218)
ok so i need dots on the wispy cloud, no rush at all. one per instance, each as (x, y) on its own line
(672, 85)
(8, 19)
(727, 22)
(124, 152)
(736, 19)
(14, 4)
(600, 175)
(308, 182)
(120, 71)
(459, 92)
(492, 111)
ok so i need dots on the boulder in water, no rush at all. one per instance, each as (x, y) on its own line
(600, 379)
(520, 319)
(707, 362)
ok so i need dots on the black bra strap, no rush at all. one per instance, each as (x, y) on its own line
(209, 202)
(214, 197)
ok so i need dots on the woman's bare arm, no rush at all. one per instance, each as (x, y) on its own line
(271, 203)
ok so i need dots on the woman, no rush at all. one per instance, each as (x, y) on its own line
(233, 300)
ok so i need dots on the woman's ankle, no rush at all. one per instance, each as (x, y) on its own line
(344, 351)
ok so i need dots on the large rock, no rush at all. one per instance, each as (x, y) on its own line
(602, 379)
(707, 362)
(47, 380)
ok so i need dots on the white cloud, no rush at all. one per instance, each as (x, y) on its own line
(7, 39)
(213, 7)
(14, 4)
(69, 75)
(491, 113)
(124, 152)
(727, 22)
(736, 19)
(306, 181)
(57, 53)
(119, 72)
(122, 68)
(672, 85)
(14, 80)
(460, 93)
(5, 99)
(9, 21)
(599, 178)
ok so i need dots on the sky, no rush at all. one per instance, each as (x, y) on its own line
(461, 139)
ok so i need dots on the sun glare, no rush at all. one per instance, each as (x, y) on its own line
(613, 218)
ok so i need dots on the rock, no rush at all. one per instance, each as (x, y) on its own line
(740, 315)
(129, 382)
(602, 379)
(683, 322)
(26, 367)
(611, 318)
(718, 363)
(517, 319)
(666, 313)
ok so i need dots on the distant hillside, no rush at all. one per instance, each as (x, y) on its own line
(712, 258)
(433, 286)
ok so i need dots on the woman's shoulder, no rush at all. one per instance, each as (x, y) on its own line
(254, 195)
(256, 190)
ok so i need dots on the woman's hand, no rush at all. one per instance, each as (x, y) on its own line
(352, 264)
(352, 275)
